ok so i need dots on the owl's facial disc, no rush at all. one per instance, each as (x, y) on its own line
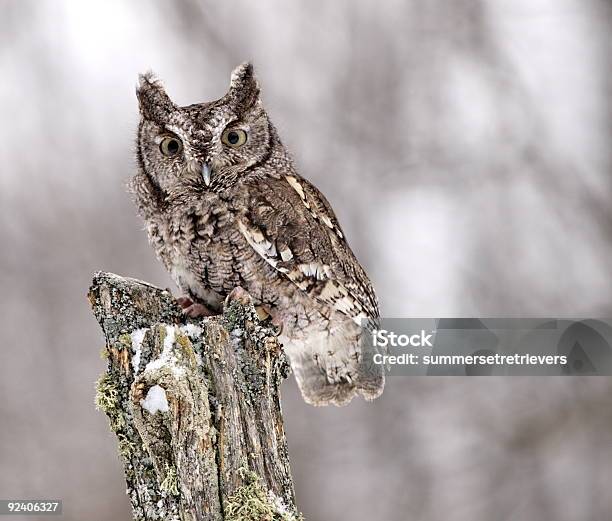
(209, 144)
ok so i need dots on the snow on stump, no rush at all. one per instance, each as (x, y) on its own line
(195, 406)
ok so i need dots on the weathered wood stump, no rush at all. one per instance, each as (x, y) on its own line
(195, 406)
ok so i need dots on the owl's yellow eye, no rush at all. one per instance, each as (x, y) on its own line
(170, 146)
(235, 137)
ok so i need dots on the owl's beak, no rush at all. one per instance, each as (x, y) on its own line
(206, 173)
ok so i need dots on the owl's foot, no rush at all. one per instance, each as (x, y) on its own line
(239, 294)
(194, 309)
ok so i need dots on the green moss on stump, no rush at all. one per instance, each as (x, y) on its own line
(170, 484)
(252, 502)
(108, 400)
(107, 393)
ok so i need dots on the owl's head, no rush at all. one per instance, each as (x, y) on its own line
(207, 144)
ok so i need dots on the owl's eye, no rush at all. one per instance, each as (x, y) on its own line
(235, 137)
(170, 146)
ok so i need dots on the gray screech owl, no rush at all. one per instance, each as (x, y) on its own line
(225, 207)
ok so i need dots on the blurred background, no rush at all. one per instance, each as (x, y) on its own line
(465, 147)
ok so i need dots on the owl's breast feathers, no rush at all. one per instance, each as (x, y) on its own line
(285, 220)
(191, 236)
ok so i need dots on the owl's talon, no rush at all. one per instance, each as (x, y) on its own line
(184, 302)
(194, 309)
(262, 313)
(239, 294)
(197, 310)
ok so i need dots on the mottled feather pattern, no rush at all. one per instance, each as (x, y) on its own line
(253, 221)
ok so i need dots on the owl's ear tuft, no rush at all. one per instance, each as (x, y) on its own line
(153, 101)
(244, 89)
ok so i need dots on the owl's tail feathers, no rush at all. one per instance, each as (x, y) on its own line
(331, 368)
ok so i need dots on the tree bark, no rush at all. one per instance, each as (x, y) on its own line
(194, 404)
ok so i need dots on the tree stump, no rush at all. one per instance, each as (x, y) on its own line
(194, 404)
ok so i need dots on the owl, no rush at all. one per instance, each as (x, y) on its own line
(224, 207)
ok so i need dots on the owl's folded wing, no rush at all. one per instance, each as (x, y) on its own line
(290, 224)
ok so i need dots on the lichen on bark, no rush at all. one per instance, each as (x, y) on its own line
(211, 436)
(253, 502)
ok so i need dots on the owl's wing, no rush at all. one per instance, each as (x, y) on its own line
(291, 225)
